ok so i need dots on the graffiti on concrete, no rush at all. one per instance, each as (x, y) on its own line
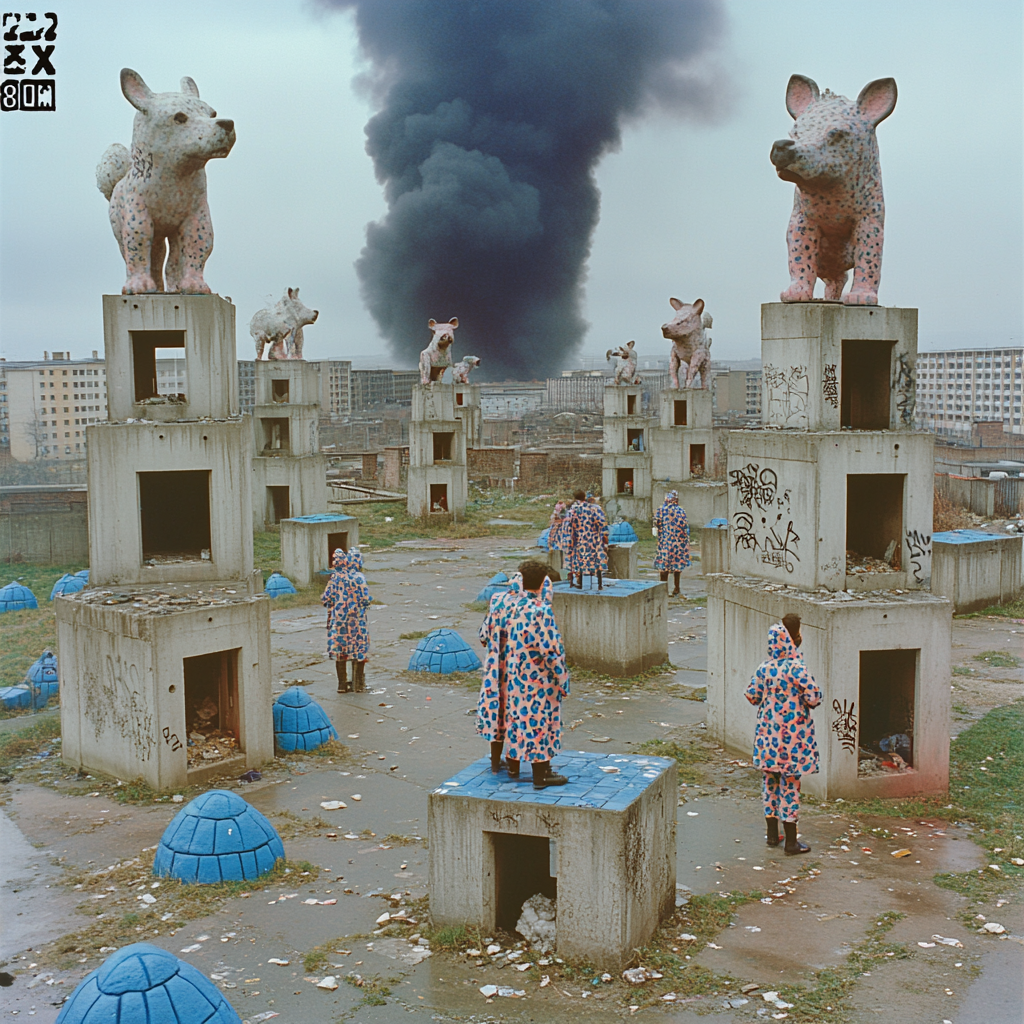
(171, 738)
(767, 528)
(756, 486)
(787, 393)
(830, 386)
(844, 725)
(920, 546)
(903, 388)
(116, 703)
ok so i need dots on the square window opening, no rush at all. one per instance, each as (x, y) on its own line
(147, 347)
(278, 504)
(335, 541)
(174, 508)
(443, 446)
(888, 694)
(211, 702)
(679, 412)
(866, 384)
(279, 390)
(460, 398)
(624, 481)
(522, 868)
(438, 497)
(874, 520)
(635, 440)
(630, 405)
(275, 434)
(696, 460)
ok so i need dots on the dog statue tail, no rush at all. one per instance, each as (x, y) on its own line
(113, 166)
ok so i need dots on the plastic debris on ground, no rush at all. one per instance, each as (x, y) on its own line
(639, 975)
(537, 922)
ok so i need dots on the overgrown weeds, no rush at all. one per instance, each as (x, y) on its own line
(16, 746)
(690, 758)
(998, 659)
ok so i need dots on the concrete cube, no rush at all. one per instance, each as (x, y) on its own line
(284, 487)
(682, 444)
(603, 846)
(975, 569)
(287, 382)
(622, 561)
(308, 544)
(882, 661)
(701, 500)
(620, 630)
(466, 406)
(714, 547)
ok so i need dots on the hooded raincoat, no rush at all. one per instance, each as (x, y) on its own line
(673, 553)
(346, 598)
(588, 529)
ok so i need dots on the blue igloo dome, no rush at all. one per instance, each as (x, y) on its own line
(542, 540)
(444, 651)
(42, 676)
(15, 597)
(68, 584)
(497, 583)
(277, 585)
(621, 533)
(144, 983)
(14, 697)
(299, 722)
(84, 574)
(217, 837)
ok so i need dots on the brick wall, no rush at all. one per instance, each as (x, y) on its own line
(44, 526)
(533, 471)
(492, 463)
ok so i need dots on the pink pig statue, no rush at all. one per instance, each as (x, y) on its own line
(838, 211)
(437, 357)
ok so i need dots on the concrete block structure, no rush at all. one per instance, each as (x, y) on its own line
(171, 638)
(603, 847)
(682, 445)
(702, 500)
(620, 630)
(437, 480)
(289, 474)
(976, 569)
(714, 547)
(466, 401)
(308, 543)
(882, 661)
(626, 462)
(622, 561)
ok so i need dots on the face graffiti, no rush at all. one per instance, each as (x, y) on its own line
(844, 725)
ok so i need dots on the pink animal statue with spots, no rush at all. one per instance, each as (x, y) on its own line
(281, 327)
(691, 348)
(838, 211)
(625, 372)
(460, 371)
(436, 357)
(157, 193)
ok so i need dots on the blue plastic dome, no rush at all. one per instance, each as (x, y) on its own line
(497, 583)
(714, 524)
(217, 837)
(542, 540)
(15, 697)
(277, 585)
(84, 574)
(42, 677)
(68, 584)
(144, 983)
(444, 651)
(299, 722)
(621, 533)
(15, 597)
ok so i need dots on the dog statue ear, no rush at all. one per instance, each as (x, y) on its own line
(431, 324)
(454, 321)
(135, 90)
(189, 87)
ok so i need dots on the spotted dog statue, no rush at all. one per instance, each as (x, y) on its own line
(436, 357)
(460, 371)
(157, 193)
(281, 327)
(625, 372)
(691, 348)
(838, 219)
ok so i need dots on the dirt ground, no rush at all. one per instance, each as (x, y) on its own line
(814, 920)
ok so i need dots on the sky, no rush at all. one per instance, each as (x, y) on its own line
(688, 208)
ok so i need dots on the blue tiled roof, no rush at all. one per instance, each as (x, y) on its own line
(277, 585)
(444, 651)
(588, 785)
(621, 533)
(967, 537)
(299, 722)
(68, 584)
(612, 587)
(144, 983)
(12, 697)
(15, 597)
(321, 517)
(542, 540)
(217, 837)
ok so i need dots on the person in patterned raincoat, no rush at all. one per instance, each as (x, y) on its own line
(565, 535)
(346, 598)
(589, 543)
(673, 533)
(491, 708)
(783, 691)
(555, 527)
(537, 678)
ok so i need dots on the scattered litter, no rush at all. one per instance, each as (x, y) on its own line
(251, 776)
(493, 948)
(278, 961)
(948, 942)
(333, 805)
(639, 975)
(544, 981)
(692, 814)
(384, 918)
(176, 799)
(537, 922)
(687, 937)
(266, 1015)
(608, 769)
(927, 945)
(330, 983)
(601, 739)
(669, 997)
(752, 928)
(192, 948)
(736, 1003)
(992, 928)
(747, 989)
(901, 853)
(522, 967)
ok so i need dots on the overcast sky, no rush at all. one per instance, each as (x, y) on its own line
(687, 210)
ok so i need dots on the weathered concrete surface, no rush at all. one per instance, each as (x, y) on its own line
(305, 477)
(626, 462)
(976, 569)
(46, 523)
(437, 451)
(305, 543)
(702, 500)
(714, 548)
(685, 419)
(622, 561)
(836, 631)
(466, 406)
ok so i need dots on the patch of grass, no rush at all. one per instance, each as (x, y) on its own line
(477, 606)
(998, 659)
(586, 675)
(962, 670)
(391, 839)
(375, 989)
(449, 679)
(689, 757)
(451, 939)
(24, 636)
(316, 959)
(419, 634)
(24, 742)
(1012, 610)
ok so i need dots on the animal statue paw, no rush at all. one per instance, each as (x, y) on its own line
(139, 284)
(860, 298)
(798, 292)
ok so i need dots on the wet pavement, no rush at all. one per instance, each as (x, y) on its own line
(404, 736)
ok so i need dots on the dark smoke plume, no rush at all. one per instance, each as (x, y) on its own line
(492, 117)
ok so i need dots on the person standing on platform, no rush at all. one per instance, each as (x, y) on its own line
(346, 598)
(555, 527)
(673, 533)
(589, 541)
(783, 691)
(566, 535)
(537, 678)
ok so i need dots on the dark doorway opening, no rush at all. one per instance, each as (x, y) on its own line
(522, 868)
(624, 481)
(874, 516)
(443, 446)
(438, 497)
(630, 405)
(279, 390)
(888, 691)
(211, 699)
(278, 504)
(144, 356)
(335, 541)
(679, 412)
(696, 460)
(635, 440)
(174, 509)
(459, 398)
(275, 434)
(866, 385)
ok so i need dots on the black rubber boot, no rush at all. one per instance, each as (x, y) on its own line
(543, 776)
(599, 586)
(675, 576)
(512, 765)
(359, 677)
(496, 747)
(793, 845)
(664, 577)
(773, 831)
(341, 667)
